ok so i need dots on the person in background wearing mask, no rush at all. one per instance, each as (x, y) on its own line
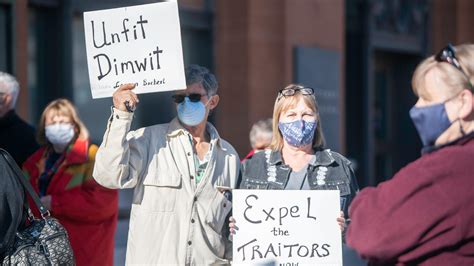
(424, 215)
(61, 173)
(260, 137)
(178, 170)
(16, 136)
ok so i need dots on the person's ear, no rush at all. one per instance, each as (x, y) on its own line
(7, 100)
(467, 100)
(213, 101)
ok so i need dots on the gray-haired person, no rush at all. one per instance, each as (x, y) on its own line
(178, 171)
(16, 136)
(260, 136)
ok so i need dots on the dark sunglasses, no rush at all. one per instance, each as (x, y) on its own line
(291, 92)
(448, 55)
(193, 97)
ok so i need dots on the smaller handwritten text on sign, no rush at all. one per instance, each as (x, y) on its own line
(136, 44)
(296, 227)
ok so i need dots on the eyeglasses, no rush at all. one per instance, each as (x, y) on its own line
(193, 97)
(448, 55)
(291, 92)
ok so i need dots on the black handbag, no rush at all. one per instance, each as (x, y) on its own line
(44, 241)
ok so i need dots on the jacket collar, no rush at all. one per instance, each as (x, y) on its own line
(75, 154)
(175, 129)
(9, 118)
(78, 153)
(323, 158)
(460, 141)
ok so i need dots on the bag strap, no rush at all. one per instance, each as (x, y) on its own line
(44, 212)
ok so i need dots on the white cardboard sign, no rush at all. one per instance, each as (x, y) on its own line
(135, 44)
(289, 227)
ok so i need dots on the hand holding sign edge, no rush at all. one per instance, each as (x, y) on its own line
(125, 94)
(232, 226)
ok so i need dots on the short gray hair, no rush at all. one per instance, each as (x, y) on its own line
(200, 74)
(261, 129)
(9, 85)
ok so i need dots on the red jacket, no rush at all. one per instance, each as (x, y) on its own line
(87, 210)
(424, 215)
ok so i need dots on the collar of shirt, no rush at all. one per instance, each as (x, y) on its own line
(176, 128)
(322, 158)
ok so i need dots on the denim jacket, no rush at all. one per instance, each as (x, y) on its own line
(330, 171)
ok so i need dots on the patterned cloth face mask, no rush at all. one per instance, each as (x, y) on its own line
(298, 133)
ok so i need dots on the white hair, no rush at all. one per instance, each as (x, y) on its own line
(9, 85)
(261, 129)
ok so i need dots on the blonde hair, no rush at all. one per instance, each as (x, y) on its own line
(454, 78)
(66, 108)
(283, 104)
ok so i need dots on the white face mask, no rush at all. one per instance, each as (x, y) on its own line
(59, 134)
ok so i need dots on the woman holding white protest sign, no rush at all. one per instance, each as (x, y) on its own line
(296, 159)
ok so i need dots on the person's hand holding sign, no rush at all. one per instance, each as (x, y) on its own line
(125, 99)
(341, 220)
(232, 225)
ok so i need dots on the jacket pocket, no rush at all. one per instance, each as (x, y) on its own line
(218, 210)
(160, 192)
(344, 192)
(343, 187)
(254, 183)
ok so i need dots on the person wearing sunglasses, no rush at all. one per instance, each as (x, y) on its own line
(179, 172)
(424, 215)
(297, 158)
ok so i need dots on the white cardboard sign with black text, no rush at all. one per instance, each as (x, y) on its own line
(289, 227)
(135, 44)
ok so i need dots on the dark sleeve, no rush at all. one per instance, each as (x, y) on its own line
(242, 170)
(353, 187)
(402, 219)
(28, 144)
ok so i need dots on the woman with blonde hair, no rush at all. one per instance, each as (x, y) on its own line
(61, 173)
(424, 214)
(297, 158)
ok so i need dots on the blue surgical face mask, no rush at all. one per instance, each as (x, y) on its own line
(191, 113)
(298, 133)
(430, 122)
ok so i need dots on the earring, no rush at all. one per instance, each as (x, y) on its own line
(461, 129)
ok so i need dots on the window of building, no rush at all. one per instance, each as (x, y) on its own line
(6, 38)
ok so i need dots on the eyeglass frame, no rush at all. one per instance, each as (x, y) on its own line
(448, 55)
(301, 89)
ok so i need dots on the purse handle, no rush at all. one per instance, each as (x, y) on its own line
(44, 212)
